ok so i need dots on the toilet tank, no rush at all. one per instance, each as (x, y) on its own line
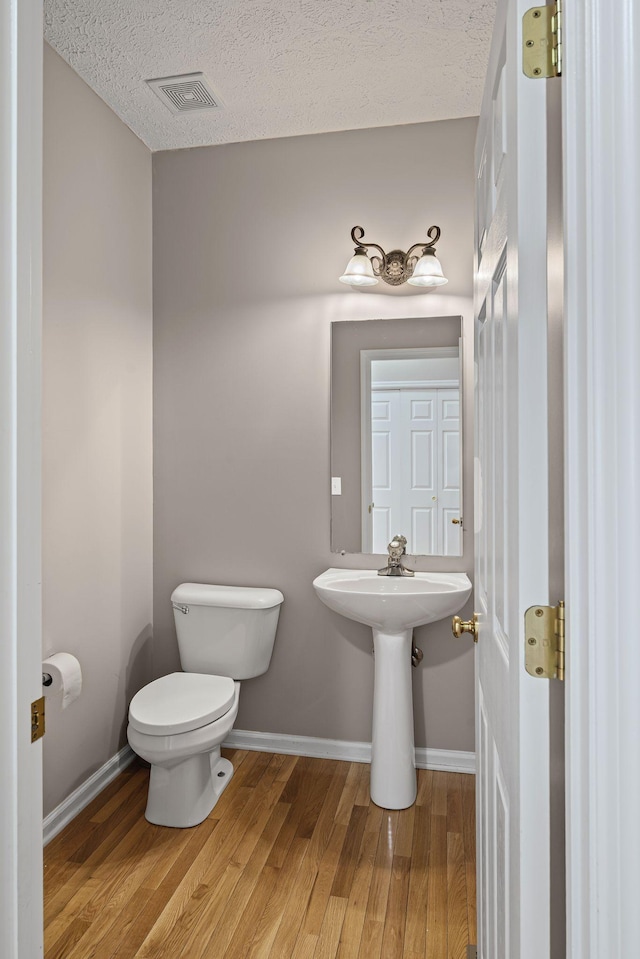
(225, 630)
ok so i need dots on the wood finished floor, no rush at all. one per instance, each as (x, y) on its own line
(294, 862)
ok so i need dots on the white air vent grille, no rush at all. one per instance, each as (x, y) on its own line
(186, 93)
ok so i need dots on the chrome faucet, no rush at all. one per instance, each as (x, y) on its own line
(395, 567)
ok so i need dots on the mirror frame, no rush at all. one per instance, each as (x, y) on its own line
(348, 339)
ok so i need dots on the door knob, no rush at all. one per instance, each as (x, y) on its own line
(459, 626)
(457, 522)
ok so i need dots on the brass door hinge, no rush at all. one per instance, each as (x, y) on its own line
(37, 719)
(544, 641)
(542, 41)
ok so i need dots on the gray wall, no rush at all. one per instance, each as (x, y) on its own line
(97, 493)
(249, 240)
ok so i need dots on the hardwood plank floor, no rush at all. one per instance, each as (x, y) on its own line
(294, 862)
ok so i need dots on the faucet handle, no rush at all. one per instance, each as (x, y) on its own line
(397, 547)
(398, 543)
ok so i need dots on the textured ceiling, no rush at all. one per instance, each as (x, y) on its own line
(280, 67)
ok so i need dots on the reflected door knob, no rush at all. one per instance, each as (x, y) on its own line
(459, 626)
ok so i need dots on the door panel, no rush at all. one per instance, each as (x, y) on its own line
(381, 460)
(421, 470)
(385, 411)
(381, 520)
(422, 526)
(449, 496)
(502, 904)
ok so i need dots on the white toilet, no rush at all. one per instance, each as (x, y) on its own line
(177, 723)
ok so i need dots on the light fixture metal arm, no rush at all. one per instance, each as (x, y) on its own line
(356, 235)
(434, 235)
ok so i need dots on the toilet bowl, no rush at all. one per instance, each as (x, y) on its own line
(177, 723)
(188, 774)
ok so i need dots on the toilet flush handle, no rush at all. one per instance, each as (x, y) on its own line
(182, 609)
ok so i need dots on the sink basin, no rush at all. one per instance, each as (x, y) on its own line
(392, 606)
(392, 603)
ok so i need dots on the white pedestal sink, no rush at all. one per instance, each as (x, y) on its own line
(392, 606)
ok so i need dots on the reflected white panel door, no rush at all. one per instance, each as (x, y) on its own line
(404, 445)
(512, 503)
(420, 445)
(384, 413)
(448, 464)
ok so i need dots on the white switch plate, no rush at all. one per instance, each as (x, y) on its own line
(336, 486)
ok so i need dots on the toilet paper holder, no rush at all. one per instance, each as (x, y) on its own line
(61, 673)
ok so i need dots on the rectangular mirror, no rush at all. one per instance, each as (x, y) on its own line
(396, 437)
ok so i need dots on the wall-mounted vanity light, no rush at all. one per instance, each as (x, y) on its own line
(395, 267)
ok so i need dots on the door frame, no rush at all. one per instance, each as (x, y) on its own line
(20, 485)
(601, 159)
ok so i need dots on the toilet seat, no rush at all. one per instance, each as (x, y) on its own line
(181, 702)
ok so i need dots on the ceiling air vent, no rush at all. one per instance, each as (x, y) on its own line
(185, 93)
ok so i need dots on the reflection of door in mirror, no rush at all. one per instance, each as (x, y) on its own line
(411, 450)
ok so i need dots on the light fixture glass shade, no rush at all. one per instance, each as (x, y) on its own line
(359, 271)
(428, 272)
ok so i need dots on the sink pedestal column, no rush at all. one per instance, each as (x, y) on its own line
(393, 772)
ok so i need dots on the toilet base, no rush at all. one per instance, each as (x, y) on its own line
(183, 795)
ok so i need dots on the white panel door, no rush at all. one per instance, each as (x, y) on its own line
(512, 514)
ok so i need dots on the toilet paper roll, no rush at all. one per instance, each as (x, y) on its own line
(66, 674)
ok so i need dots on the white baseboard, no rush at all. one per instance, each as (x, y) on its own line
(449, 760)
(82, 796)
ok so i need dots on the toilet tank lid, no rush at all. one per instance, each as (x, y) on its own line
(234, 597)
